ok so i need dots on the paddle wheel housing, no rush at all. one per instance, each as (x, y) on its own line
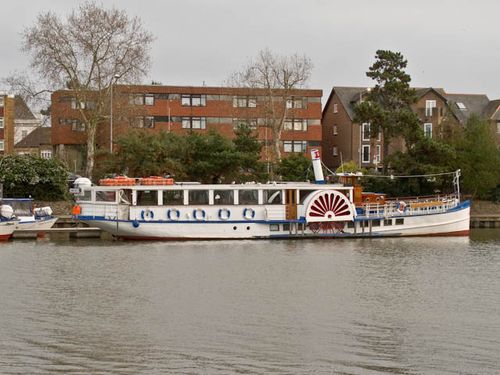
(329, 206)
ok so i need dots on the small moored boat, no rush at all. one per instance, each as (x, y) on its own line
(8, 222)
(30, 219)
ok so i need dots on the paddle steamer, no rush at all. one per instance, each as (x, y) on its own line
(158, 208)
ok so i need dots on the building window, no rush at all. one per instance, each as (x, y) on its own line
(24, 134)
(1, 122)
(335, 108)
(136, 99)
(335, 130)
(76, 124)
(376, 160)
(144, 122)
(295, 124)
(245, 101)
(46, 154)
(1, 144)
(1, 101)
(429, 106)
(335, 151)
(75, 104)
(141, 99)
(149, 122)
(461, 106)
(250, 122)
(366, 154)
(194, 123)
(149, 99)
(294, 146)
(498, 127)
(428, 129)
(295, 103)
(366, 131)
(194, 100)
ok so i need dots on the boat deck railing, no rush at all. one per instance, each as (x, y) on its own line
(409, 207)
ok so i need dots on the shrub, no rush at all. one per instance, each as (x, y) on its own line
(28, 175)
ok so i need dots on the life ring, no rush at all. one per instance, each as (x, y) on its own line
(147, 214)
(249, 213)
(401, 207)
(135, 224)
(199, 214)
(173, 214)
(224, 214)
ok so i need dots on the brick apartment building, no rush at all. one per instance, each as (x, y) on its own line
(345, 140)
(181, 109)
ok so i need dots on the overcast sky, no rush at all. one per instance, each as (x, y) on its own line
(453, 44)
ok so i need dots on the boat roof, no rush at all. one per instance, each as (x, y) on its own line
(253, 185)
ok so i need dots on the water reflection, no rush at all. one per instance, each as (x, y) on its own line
(402, 306)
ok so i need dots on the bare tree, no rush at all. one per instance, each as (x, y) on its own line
(87, 53)
(279, 75)
(31, 91)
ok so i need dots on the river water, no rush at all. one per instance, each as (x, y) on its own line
(366, 306)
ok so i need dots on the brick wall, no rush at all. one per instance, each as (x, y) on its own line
(218, 112)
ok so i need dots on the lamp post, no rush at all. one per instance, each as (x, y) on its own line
(169, 120)
(115, 78)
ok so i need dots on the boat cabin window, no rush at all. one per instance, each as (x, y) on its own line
(198, 196)
(86, 195)
(274, 227)
(125, 196)
(173, 197)
(273, 197)
(303, 194)
(223, 197)
(105, 196)
(23, 207)
(400, 221)
(147, 197)
(248, 197)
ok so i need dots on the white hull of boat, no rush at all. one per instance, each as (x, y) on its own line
(28, 226)
(451, 223)
(6, 229)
